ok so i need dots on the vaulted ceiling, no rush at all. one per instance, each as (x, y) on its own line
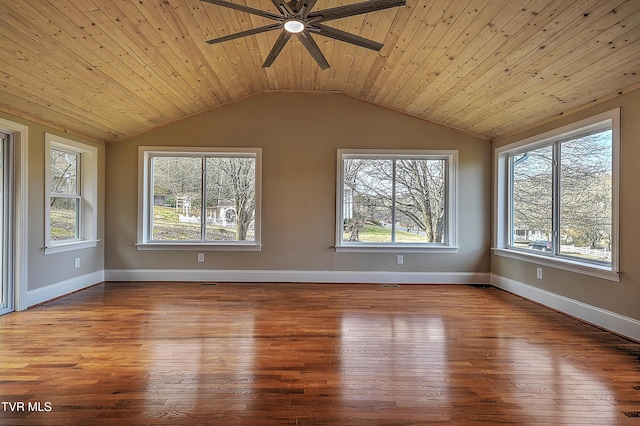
(109, 69)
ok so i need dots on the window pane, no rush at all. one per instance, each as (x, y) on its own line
(177, 199)
(64, 214)
(585, 197)
(368, 191)
(532, 199)
(64, 172)
(230, 199)
(420, 201)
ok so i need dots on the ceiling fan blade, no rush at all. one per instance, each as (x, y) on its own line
(277, 47)
(355, 9)
(282, 7)
(305, 6)
(313, 49)
(244, 33)
(244, 8)
(348, 37)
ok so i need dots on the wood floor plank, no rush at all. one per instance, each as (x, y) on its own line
(315, 354)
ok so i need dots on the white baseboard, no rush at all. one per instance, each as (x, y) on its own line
(40, 295)
(619, 324)
(380, 277)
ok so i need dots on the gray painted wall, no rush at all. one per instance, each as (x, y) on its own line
(299, 135)
(45, 270)
(624, 297)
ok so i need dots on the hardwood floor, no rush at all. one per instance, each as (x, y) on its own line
(310, 354)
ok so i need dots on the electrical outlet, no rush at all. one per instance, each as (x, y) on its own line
(200, 257)
(539, 273)
(399, 259)
(76, 263)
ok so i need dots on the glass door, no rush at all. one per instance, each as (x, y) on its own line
(6, 288)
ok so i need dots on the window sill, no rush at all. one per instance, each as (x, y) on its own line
(199, 246)
(593, 270)
(372, 248)
(70, 246)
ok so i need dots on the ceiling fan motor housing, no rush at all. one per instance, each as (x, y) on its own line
(294, 25)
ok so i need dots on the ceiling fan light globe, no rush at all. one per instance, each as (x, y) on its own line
(294, 26)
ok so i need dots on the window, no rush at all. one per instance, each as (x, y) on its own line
(391, 200)
(200, 197)
(71, 195)
(558, 196)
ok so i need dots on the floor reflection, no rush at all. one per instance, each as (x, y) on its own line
(398, 358)
(201, 362)
(538, 380)
(245, 354)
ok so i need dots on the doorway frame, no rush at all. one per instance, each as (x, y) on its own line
(21, 210)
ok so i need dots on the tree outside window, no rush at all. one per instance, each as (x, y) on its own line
(575, 176)
(197, 197)
(71, 195)
(395, 199)
(65, 196)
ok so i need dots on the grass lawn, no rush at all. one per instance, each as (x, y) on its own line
(63, 224)
(379, 234)
(167, 227)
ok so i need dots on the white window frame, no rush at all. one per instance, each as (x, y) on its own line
(451, 233)
(88, 184)
(144, 242)
(502, 201)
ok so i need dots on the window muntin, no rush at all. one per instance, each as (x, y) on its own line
(396, 199)
(200, 197)
(584, 214)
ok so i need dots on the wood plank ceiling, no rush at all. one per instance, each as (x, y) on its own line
(109, 69)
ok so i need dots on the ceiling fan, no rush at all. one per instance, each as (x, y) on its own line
(297, 18)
